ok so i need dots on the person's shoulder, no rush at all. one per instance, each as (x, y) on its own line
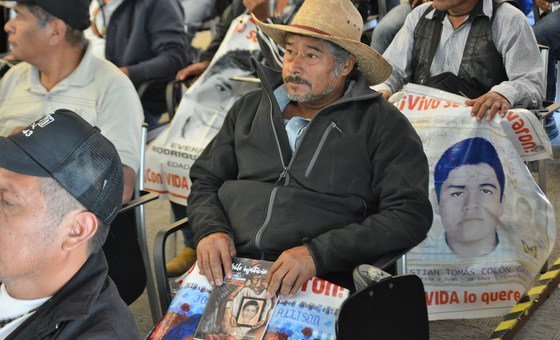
(104, 69)
(18, 71)
(249, 101)
(110, 316)
(107, 318)
(508, 12)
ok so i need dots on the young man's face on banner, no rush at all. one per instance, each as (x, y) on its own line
(469, 204)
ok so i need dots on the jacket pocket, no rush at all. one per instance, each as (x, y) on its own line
(322, 142)
(245, 203)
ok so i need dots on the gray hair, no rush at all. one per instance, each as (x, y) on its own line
(73, 36)
(59, 203)
(340, 56)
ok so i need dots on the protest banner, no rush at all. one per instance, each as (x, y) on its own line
(493, 227)
(201, 113)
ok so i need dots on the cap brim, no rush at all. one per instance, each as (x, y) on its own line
(13, 158)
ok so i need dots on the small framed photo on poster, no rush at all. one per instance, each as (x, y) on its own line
(250, 311)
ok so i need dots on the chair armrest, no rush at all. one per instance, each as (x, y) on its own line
(143, 198)
(159, 262)
(144, 86)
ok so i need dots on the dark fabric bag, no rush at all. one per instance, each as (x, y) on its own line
(449, 82)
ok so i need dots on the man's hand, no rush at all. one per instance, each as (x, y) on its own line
(385, 93)
(124, 70)
(290, 271)
(193, 70)
(488, 104)
(259, 8)
(214, 254)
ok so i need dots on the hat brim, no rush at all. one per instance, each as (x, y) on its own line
(374, 67)
(13, 158)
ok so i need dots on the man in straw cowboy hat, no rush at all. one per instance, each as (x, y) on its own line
(316, 171)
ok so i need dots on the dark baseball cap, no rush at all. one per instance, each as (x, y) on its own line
(75, 13)
(62, 145)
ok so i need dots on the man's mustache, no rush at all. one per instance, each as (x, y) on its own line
(296, 80)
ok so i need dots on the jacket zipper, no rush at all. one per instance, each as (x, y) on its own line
(331, 126)
(283, 174)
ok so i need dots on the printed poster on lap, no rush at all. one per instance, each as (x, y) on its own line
(201, 113)
(493, 227)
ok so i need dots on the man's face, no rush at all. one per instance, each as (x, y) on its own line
(307, 70)
(25, 36)
(258, 284)
(26, 240)
(249, 311)
(469, 203)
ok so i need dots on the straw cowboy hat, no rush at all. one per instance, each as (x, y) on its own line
(339, 22)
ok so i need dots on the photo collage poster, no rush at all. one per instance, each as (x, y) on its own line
(493, 227)
(201, 113)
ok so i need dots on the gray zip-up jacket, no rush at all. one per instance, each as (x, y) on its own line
(87, 307)
(355, 189)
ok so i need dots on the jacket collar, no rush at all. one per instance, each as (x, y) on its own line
(73, 301)
(81, 76)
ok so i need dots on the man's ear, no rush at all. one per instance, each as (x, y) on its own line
(349, 65)
(433, 199)
(82, 226)
(56, 31)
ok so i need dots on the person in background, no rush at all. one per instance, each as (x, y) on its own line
(58, 70)
(146, 39)
(500, 65)
(547, 32)
(390, 24)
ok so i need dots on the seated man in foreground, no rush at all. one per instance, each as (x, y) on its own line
(481, 49)
(61, 185)
(315, 171)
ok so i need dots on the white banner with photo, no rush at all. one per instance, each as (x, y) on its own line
(201, 113)
(493, 227)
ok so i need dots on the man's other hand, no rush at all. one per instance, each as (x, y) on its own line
(488, 104)
(290, 271)
(214, 254)
(193, 70)
(385, 93)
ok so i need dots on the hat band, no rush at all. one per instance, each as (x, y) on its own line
(309, 28)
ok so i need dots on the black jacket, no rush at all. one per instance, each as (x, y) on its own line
(87, 307)
(148, 37)
(356, 188)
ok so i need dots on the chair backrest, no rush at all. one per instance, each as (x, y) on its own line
(126, 247)
(394, 308)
